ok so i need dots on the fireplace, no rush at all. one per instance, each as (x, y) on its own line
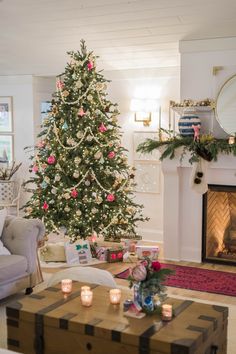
(219, 225)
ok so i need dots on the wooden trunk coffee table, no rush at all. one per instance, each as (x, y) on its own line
(48, 323)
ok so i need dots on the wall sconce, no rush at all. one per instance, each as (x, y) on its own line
(143, 109)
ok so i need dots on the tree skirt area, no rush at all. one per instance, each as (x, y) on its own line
(199, 279)
(93, 262)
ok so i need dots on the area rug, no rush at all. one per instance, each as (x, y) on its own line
(210, 281)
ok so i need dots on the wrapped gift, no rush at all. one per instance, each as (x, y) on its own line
(129, 244)
(53, 252)
(114, 255)
(129, 257)
(78, 252)
(147, 251)
(101, 253)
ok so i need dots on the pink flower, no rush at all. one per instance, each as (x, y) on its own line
(90, 65)
(110, 198)
(60, 84)
(45, 206)
(111, 155)
(139, 273)
(81, 112)
(156, 266)
(102, 128)
(51, 160)
(74, 193)
(35, 168)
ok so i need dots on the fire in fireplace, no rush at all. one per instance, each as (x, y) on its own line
(219, 225)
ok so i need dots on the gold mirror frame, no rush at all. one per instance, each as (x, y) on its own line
(219, 120)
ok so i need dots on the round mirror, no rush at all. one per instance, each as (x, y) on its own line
(226, 106)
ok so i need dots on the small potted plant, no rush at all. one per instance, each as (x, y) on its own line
(6, 183)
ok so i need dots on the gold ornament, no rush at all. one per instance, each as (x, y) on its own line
(77, 160)
(79, 135)
(67, 195)
(76, 174)
(98, 155)
(98, 199)
(89, 97)
(78, 212)
(78, 84)
(65, 93)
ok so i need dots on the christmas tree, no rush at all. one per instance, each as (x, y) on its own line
(83, 182)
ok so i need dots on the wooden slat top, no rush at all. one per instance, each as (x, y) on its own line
(192, 325)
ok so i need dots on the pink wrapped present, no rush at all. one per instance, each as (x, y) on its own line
(147, 251)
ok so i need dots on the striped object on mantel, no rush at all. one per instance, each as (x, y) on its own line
(186, 122)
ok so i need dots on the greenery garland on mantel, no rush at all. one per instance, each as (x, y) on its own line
(207, 147)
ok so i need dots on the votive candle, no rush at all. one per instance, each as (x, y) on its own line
(115, 296)
(231, 140)
(85, 288)
(87, 298)
(166, 312)
(66, 286)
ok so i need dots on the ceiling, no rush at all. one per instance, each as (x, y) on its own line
(127, 34)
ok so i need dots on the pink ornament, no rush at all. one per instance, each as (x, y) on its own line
(35, 168)
(111, 155)
(102, 128)
(41, 144)
(90, 65)
(110, 198)
(60, 84)
(81, 112)
(196, 129)
(45, 206)
(51, 160)
(139, 272)
(74, 193)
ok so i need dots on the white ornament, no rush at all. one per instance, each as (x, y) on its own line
(67, 209)
(94, 210)
(76, 174)
(78, 213)
(89, 138)
(89, 97)
(79, 135)
(79, 84)
(57, 178)
(87, 183)
(98, 155)
(70, 141)
(77, 160)
(67, 196)
(54, 191)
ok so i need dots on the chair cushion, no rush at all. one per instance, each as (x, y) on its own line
(12, 267)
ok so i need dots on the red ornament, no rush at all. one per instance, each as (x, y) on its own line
(110, 198)
(90, 65)
(74, 193)
(102, 128)
(111, 155)
(51, 160)
(45, 206)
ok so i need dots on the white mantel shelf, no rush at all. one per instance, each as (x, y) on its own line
(182, 228)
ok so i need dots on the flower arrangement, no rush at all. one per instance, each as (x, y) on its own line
(6, 173)
(148, 278)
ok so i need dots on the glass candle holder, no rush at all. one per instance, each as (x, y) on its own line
(85, 288)
(166, 312)
(66, 286)
(115, 296)
(86, 298)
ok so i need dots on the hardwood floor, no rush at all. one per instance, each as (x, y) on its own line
(175, 292)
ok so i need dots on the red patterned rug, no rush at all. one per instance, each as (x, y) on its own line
(210, 281)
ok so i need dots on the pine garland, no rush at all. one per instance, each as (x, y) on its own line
(208, 147)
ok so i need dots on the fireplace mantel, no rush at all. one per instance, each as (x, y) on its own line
(182, 226)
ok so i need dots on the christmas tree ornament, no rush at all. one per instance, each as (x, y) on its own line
(54, 191)
(89, 97)
(111, 155)
(60, 84)
(57, 178)
(47, 179)
(76, 174)
(98, 155)
(79, 135)
(102, 128)
(65, 93)
(45, 206)
(35, 168)
(74, 193)
(67, 209)
(98, 199)
(110, 198)
(77, 160)
(94, 210)
(44, 184)
(79, 84)
(90, 65)
(78, 212)
(87, 183)
(89, 138)
(51, 160)
(65, 126)
(66, 196)
(81, 112)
